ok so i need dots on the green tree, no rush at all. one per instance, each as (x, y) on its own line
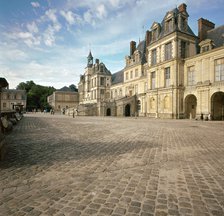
(36, 95)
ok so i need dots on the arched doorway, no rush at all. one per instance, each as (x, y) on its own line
(190, 106)
(108, 112)
(128, 110)
(217, 106)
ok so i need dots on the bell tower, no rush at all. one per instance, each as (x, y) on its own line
(90, 60)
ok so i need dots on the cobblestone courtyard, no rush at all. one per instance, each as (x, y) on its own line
(57, 165)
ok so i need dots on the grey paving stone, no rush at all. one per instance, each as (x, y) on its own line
(57, 165)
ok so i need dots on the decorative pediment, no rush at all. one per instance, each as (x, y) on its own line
(155, 25)
(205, 42)
(169, 15)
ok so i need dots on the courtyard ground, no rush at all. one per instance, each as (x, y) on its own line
(59, 165)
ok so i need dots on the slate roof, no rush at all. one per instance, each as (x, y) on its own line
(118, 77)
(175, 13)
(217, 36)
(102, 69)
(65, 88)
(142, 48)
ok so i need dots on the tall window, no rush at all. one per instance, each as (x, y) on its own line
(153, 80)
(115, 93)
(183, 24)
(131, 74)
(219, 69)
(183, 49)
(126, 75)
(136, 72)
(190, 75)
(168, 51)
(153, 56)
(167, 77)
(102, 81)
(136, 89)
(154, 34)
(146, 86)
(169, 26)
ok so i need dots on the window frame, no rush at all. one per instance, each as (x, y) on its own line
(168, 51)
(219, 69)
(154, 57)
(153, 80)
(167, 76)
(191, 75)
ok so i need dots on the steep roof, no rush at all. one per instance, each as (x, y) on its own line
(172, 14)
(142, 48)
(101, 69)
(118, 77)
(65, 88)
(217, 36)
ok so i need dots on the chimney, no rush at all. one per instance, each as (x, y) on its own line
(182, 8)
(203, 27)
(97, 61)
(132, 47)
(148, 38)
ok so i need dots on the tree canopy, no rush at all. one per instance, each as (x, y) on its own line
(36, 94)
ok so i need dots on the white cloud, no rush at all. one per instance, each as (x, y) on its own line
(88, 17)
(101, 11)
(49, 37)
(27, 37)
(35, 4)
(32, 27)
(51, 14)
(24, 35)
(115, 3)
(71, 17)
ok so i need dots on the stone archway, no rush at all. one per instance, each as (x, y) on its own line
(190, 106)
(217, 106)
(127, 110)
(108, 112)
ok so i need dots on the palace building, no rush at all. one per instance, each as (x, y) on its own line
(172, 73)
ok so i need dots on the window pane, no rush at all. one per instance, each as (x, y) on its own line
(219, 69)
(154, 57)
(168, 51)
(191, 74)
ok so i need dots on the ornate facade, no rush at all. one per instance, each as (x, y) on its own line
(171, 74)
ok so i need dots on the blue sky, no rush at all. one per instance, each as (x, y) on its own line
(47, 41)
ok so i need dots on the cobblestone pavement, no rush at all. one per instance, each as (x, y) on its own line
(58, 165)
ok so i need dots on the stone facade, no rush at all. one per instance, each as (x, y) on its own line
(12, 99)
(172, 73)
(94, 88)
(60, 100)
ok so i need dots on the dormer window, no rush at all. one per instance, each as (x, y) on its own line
(169, 26)
(205, 48)
(154, 34)
(183, 23)
(155, 31)
(206, 45)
